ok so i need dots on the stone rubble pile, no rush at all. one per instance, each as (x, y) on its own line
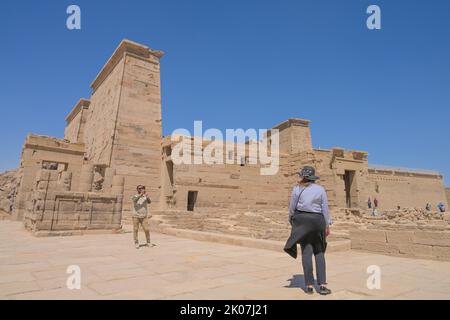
(406, 215)
(412, 214)
(8, 187)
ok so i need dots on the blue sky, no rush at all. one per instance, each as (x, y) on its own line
(245, 64)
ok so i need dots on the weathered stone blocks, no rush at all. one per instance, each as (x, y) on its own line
(369, 235)
(441, 252)
(416, 250)
(432, 238)
(433, 244)
(399, 237)
(51, 207)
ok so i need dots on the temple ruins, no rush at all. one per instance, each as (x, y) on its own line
(113, 141)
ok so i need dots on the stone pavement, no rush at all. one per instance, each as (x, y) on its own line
(176, 268)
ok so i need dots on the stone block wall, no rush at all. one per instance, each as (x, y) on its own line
(295, 136)
(54, 209)
(230, 186)
(258, 224)
(428, 242)
(447, 193)
(137, 149)
(76, 121)
(395, 188)
(41, 152)
(269, 225)
(123, 128)
(101, 122)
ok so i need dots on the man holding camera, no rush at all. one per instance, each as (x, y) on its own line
(140, 215)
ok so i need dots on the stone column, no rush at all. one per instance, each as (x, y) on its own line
(65, 181)
(86, 178)
(118, 183)
(109, 175)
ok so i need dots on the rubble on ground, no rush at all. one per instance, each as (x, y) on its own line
(412, 214)
(8, 186)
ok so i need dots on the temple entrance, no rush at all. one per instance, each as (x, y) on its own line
(192, 198)
(349, 178)
(169, 165)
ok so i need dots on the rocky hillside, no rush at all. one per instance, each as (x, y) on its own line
(8, 184)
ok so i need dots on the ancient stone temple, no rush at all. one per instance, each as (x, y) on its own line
(58, 191)
(113, 141)
(447, 190)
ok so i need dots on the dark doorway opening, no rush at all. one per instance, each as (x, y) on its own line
(192, 198)
(349, 176)
(169, 165)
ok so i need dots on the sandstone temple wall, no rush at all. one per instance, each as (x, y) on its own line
(117, 134)
(447, 192)
(44, 152)
(54, 208)
(137, 149)
(73, 128)
(101, 122)
(294, 136)
(230, 186)
(121, 124)
(395, 188)
(76, 122)
(331, 166)
(238, 184)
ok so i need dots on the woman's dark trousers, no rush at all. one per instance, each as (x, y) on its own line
(310, 247)
(313, 242)
(308, 229)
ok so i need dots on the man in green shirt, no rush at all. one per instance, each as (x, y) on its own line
(140, 215)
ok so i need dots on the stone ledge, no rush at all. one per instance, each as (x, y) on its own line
(368, 235)
(66, 233)
(126, 47)
(333, 246)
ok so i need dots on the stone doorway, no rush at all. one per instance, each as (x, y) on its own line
(192, 199)
(350, 190)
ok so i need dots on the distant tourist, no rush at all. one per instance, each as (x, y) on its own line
(369, 203)
(441, 207)
(375, 202)
(428, 207)
(398, 207)
(140, 215)
(310, 221)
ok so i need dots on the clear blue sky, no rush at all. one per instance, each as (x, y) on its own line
(242, 64)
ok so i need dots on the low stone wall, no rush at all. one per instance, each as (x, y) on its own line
(407, 233)
(264, 224)
(269, 225)
(54, 209)
(428, 242)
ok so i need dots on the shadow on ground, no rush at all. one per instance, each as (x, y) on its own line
(297, 281)
(147, 246)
